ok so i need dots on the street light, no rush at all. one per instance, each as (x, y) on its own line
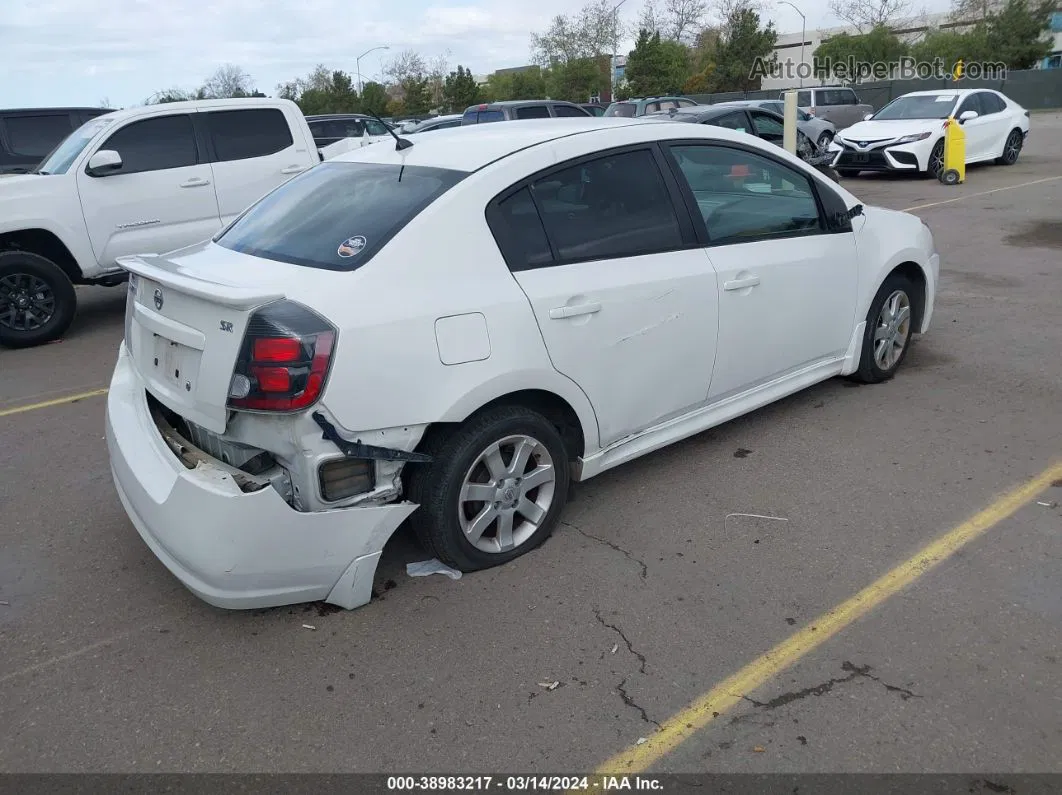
(357, 62)
(615, 46)
(803, 37)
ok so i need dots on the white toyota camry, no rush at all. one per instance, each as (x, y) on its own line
(908, 133)
(452, 331)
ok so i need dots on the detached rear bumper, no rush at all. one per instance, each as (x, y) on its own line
(230, 548)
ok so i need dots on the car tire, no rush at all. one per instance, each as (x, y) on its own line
(935, 166)
(449, 515)
(825, 140)
(880, 363)
(1011, 149)
(33, 287)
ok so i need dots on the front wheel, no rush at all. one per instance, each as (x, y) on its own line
(495, 489)
(936, 160)
(888, 332)
(825, 140)
(37, 300)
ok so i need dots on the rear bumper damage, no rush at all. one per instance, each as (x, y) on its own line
(233, 541)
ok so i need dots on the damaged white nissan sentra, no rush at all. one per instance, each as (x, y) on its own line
(451, 332)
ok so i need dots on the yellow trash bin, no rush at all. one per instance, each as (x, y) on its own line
(953, 171)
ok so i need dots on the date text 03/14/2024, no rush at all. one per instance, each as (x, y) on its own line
(521, 783)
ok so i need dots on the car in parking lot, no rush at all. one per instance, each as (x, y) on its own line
(331, 128)
(290, 392)
(908, 133)
(819, 130)
(839, 105)
(518, 109)
(632, 108)
(28, 135)
(437, 123)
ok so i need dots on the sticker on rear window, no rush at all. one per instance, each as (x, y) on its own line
(946, 98)
(352, 246)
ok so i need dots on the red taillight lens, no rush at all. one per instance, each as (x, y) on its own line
(284, 360)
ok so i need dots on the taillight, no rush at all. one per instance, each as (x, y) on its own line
(283, 361)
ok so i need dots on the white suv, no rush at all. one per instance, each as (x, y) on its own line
(452, 331)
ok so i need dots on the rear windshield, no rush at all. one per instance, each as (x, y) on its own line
(482, 116)
(625, 109)
(336, 216)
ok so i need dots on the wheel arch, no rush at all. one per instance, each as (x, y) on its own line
(46, 244)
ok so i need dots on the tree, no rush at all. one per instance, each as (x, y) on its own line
(499, 87)
(594, 31)
(437, 71)
(416, 96)
(1016, 33)
(374, 99)
(227, 82)
(529, 84)
(865, 15)
(879, 46)
(675, 20)
(576, 80)
(322, 91)
(742, 44)
(460, 90)
(656, 67)
(405, 65)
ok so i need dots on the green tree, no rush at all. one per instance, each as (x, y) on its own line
(577, 80)
(416, 95)
(374, 99)
(879, 46)
(949, 46)
(529, 84)
(1015, 34)
(656, 67)
(742, 44)
(499, 87)
(322, 91)
(460, 90)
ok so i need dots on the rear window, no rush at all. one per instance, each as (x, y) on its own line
(625, 109)
(482, 116)
(336, 216)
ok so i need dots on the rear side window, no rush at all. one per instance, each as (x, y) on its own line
(518, 231)
(482, 116)
(155, 144)
(567, 111)
(533, 112)
(836, 96)
(992, 103)
(242, 134)
(36, 136)
(624, 109)
(336, 216)
(803, 99)
(732, 121)
(615, 206)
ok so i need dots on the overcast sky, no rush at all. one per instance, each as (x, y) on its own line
(81, 52)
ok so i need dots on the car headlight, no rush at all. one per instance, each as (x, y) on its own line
(910, 139)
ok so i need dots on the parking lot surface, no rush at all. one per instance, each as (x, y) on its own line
(650, 594)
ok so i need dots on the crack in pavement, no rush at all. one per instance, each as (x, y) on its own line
(621, 688)
(644, 569)
(853, 671)
(618, 631)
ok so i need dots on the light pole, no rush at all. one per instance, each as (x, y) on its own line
(803, 37)
(615, 46)
(357, 62)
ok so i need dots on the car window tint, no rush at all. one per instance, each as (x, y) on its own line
(667, 104)
(625, 109)
(155, 144)
(532, 112)
(767, 126)
(36, 136)
(686, 103)
(373, 127)
(615, 206)
(991, 103)
(804, 99)
(518, 231)
(313, 219)
(242, 134)
(972, 102)
(652, 107)
(568, 111)
(744, 196)
(732, 121)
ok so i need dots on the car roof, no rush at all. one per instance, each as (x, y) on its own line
(510, 103)
(962, 92)
(63, 109)
(472, 147)
(197, 104)
(325, 116)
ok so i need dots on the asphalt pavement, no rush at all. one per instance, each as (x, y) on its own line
(652, 592)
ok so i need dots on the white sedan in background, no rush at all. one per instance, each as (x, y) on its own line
(908, 133)
(289, 393)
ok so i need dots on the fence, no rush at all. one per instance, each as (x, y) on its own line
(1034, 89)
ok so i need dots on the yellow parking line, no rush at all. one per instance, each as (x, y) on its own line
(982, 193)
(55, 402)
(728, 693)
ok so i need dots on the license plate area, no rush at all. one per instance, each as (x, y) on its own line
(861, 157)
(172, 364)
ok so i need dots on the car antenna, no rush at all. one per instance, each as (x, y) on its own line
(400, 143)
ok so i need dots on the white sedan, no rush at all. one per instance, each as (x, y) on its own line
(908, 133)
(289, 393)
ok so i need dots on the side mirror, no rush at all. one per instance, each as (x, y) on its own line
(104, 162)
(966, 115)
(868, 116)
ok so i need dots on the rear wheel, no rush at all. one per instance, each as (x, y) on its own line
(495, 489)
(1011, 149)
(37, 300)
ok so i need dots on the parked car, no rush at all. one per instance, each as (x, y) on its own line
(630, 108)
(908, 133)
(839, 105)
(146, 179)
(28, 135)
(593, 108)
(515, 110)
(438, 123)
(333, 127)
(290, 392)
(817, 129)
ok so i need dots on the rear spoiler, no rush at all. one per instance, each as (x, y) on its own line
(159, 269)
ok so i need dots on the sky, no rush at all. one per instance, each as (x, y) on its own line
(120, 52)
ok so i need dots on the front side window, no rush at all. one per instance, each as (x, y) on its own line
(243, 134)
(532, 112)
(743, 196)
(336, 215)
(64, 155)
(36, 136)
(157, 144)
(732, 121)
(972, 102)
(767, 127)
(614, 206)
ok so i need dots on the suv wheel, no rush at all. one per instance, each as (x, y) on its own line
(37, 300)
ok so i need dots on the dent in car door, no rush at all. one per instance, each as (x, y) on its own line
(623, 296)
(160, 200)
(787, 286)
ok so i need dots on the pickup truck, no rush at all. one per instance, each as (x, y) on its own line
(837, 104)
(144, 180)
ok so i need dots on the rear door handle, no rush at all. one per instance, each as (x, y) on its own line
(562, 312)
(741, 284)
(195, 182)
(292, 169)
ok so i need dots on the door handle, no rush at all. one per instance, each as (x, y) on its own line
(561, 312)
(741, 284)
(292, 169)
(195, 182)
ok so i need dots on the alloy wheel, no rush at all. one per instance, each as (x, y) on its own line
(1013, 148)
(27, 302)
(892, 329)
(936, 160)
